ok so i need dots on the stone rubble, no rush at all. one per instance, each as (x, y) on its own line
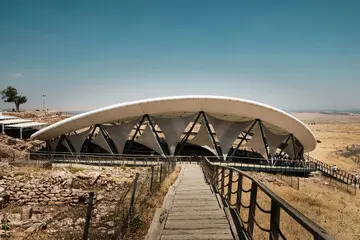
(34, 200)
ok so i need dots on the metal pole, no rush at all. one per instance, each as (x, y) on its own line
(133, 195)
(44, 96)
(251, 217)
(274, 221)
(263, 138)
(88, 216)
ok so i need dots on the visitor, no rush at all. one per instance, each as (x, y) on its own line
(356, 180)
(334, 169)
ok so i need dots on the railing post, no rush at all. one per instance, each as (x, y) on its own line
(161, 170)
(239, 192)
(252, 208)
(230, 185)
(222, 181)
(152, 179)
(274, 221)
(88, 216)
(215, 178)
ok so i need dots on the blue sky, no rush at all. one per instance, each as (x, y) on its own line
(89, 54)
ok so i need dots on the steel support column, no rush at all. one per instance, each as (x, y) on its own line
(244, 138)
(90, 138)
(263, 138)
(286, 143)
(185, 138)
(138, 128)
(155, 132)
(218, 151)
(107, 137)
(72, 149)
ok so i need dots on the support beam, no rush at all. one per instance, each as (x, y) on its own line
(21, 133)
(72, 149)
(263, 138)
(157, 136)
(138, 127)
(106, 136)
(90, 138)
(244, 138)
(188, 134)
(218, 151)
(285, 144)
(301, 153)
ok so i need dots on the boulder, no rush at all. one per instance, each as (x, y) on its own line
(110, 223)
(26, 213)
(14, 217)
(95, 177)
(80, 221)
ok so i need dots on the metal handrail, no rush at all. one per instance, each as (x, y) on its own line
(211, 173)
(339, 175)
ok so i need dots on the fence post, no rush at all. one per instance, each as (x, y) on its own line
(217, 177)
(230, 185)
(274, 221)
(298, 185)
(133, 197)
(88, 216)
(252, 208)
(161, 170)
(239, 192)
(152, 178)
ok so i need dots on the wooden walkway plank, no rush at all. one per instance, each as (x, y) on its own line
(195, 211)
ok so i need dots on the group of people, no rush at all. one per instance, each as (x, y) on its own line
(355, 181)
(286, 161)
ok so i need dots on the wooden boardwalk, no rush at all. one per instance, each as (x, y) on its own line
(195, 211)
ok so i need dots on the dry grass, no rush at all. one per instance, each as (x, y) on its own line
(332, 207)
(335, 132)
(148, 204)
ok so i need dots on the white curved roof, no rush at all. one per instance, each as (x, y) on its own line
(223, 106)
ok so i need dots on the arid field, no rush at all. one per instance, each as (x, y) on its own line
(332, 205)
(334, 132)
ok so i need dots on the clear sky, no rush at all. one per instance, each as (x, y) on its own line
(88, 54)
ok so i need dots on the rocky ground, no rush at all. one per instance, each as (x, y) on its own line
(40, 203)
(12, 149)
(39, 116)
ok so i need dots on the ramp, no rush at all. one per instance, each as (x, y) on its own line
(195, 212)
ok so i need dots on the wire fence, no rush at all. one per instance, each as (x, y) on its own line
(127, 216)
(117, 216)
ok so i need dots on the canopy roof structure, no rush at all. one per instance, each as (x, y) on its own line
(3, 117)
(27, 125)
(13, 121)
(264, 128)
